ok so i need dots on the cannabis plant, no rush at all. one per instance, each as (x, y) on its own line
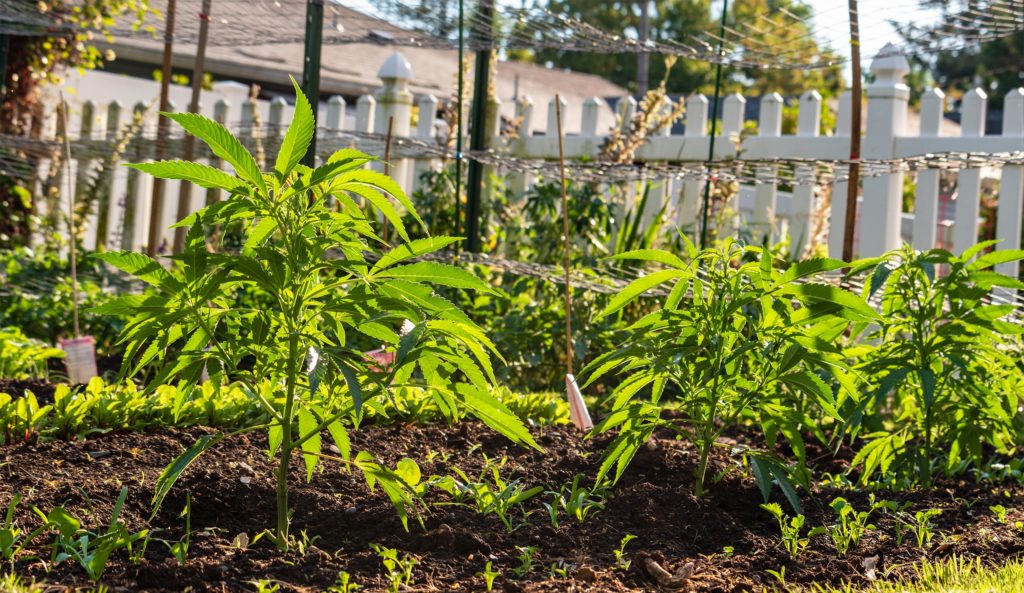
(736, 340)
(311, 246)
(946, 378)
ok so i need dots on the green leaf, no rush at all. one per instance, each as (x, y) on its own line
(409, 471)
(824, 293)
(652, 255)
(340, 437)
(140, 266)
(810, 267)
(65, 522)
(413, 249)
(382, 182)
(260, 232)
(437, 273)
(311, 445)
(223, 144)
(199, 174)
(298, 137)
(494, 414)
(995, 258)
(172, 472)
(638, 287)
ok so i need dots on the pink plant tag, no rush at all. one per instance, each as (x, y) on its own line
(578, 412)
(80, 359)
(383, 358)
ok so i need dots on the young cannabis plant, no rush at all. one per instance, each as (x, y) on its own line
(943, 355)
(313, 250)
(735, 339)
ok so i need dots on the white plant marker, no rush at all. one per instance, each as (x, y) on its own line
(578, 412)
(80, 359)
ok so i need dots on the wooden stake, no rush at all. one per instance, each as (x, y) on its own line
(855, 92)
(565, 238)
(71, 216)
(156, 212)
(387, 168)
(198, 72)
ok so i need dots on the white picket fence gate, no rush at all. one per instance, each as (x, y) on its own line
(95, 117)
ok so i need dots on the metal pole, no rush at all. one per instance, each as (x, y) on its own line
(458, 132)
(5, 46)
(855, 91)
(198, 73)
(569, 350)
(643, 59)
(478, 128)
(714, 132)
(156, 212)
(311, 66)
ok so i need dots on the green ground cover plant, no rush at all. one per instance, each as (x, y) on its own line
(22, 357)
(315, 248)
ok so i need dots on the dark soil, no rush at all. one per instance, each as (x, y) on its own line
(731, 542)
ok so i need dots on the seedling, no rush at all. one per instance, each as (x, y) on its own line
(560, 569)
(344, 584)
(576, 500)
(621, 560)
(488, 575)
(399, 569)
(180, 549)
(266, 586)
(525, 560)
(922, 527)
(1000, 512)
(850, 526)
(11, 539)
(790, 529)
(489, 493)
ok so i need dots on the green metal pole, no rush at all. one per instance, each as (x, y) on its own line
(458, 132)
(311, 66)
(714, 132)
(4, 50)
(478, 128)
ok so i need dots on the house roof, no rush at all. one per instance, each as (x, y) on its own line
(274, 51)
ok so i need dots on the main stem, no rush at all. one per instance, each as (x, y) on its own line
(284, 465)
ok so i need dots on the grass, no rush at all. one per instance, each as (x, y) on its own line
(12, 583)
(955, 575)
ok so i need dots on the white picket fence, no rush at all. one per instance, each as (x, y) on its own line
(885, 137)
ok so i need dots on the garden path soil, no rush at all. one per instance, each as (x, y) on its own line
(731, 542)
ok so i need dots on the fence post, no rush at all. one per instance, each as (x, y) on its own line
(137, 185)
(83, 169)
(519, 181)
(394, 100)
(887, 115)
(365, 107)
(734, 110)
(1011, 187)
(660, 188)
(769, 125)
(276, 120)
(688, 206)
(113, 181)
(926, 194)
(335, 120)
(427, 107)
(968, 181)
(837, 214)
(801, 216)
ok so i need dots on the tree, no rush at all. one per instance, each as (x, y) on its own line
(671, 20)
(949, 54)
(34, 59)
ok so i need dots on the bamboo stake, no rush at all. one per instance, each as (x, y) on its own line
(387, 168)
(198, 72)
(162, 129)
(565, 238)
(855, 91)
(71, 216)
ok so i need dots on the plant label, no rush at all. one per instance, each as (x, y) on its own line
(80, 359)
(578, 412)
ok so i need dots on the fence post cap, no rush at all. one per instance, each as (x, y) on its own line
(396, 67)
(889, 65)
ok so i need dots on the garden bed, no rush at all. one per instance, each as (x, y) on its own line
(730, 540)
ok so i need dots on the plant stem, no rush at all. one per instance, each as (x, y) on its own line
(284, 465)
